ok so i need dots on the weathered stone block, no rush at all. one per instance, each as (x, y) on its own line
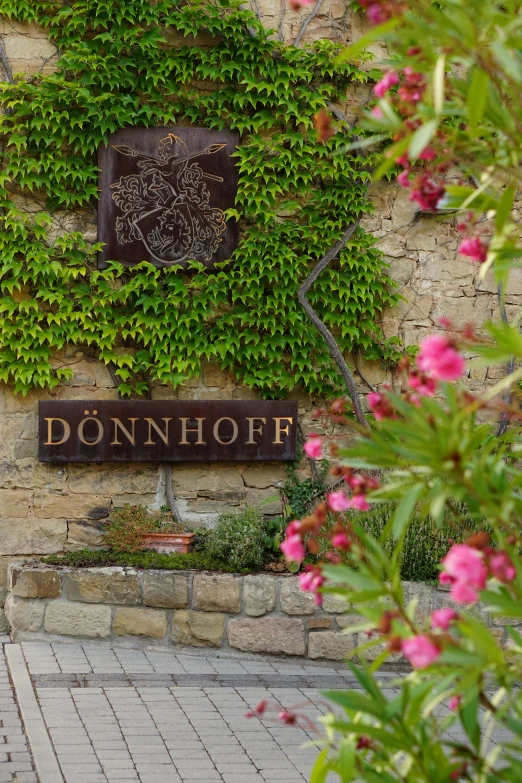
(347, 620)
(330, 645)
(72, 619)
(269, 635)
(166, 590)
(32, 536)
(214, 376)
(140, 622)
(259, 595)
(71, 506)
(264, 476)
(216, 593)
(14, 503)
(198, 629)
(4, 625)
(23, 615)
(293, 600)
(112, 480)
(103, 585)
(319, 622)
(84, 533)
(424, 595)
(30, 583)
(334, 604)
(267, 500)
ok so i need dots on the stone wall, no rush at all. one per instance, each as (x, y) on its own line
(48, 508)
(258, 613)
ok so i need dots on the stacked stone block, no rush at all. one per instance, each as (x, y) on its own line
(259, 613)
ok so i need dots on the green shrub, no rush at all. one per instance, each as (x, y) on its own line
(238, 539)
(425, 544)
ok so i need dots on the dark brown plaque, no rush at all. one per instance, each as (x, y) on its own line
(163, 194)
(164, 431)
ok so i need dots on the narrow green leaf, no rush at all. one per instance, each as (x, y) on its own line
(405, 509)
(477, 96)
(421, 138)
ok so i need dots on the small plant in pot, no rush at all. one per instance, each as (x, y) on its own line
(132, 528)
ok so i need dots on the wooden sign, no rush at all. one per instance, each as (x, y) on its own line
(164, 431)
(163, 195)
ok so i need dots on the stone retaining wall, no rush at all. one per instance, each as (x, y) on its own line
(258, 613)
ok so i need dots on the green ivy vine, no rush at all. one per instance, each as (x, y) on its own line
(295, 198)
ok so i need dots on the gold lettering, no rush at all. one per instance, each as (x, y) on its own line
(164, 436)
(184, 431)
(66, 432)
(252, 429)
(234, 431)
(81, 425)
(128, 435)
(281, 430)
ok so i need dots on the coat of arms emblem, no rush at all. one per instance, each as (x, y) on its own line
(167, 193)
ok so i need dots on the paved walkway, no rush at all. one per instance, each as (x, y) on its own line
(94, 714)
(125, 715)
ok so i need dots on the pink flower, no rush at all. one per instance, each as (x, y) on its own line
(338, 501)
(439, 358)
(426, 192)
(474, 248)
(293, 549)
(295, 5)
(454, 703)
(420, 651)
(310, 581)
(341, 541)
(386, 83)
(314, 447)
(377, 113)
(442, 618)
(293, 528)
(404, 178)
(502, 567)
(423, 384)
(428, 153)
(359, 502)
(377, 13)
(465, 570)
(380, 406)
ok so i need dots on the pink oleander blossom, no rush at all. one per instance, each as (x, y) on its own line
(377, 113)
(465, 571)
(440, 359)
(422, 384)
(314, 447)
(293, 528)
(442, 618)
(338, 501)
(404, 178)
(295, 5)
(454, 703)
(474, 248)
(420, 651)
(386, 83)
(380, 406)
(310, 581)
(501, 567)
(293, 549)
(428, 153)
(342, 542)
(426, 192)
(359, 502)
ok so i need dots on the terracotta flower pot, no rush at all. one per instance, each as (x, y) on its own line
(168, 542)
